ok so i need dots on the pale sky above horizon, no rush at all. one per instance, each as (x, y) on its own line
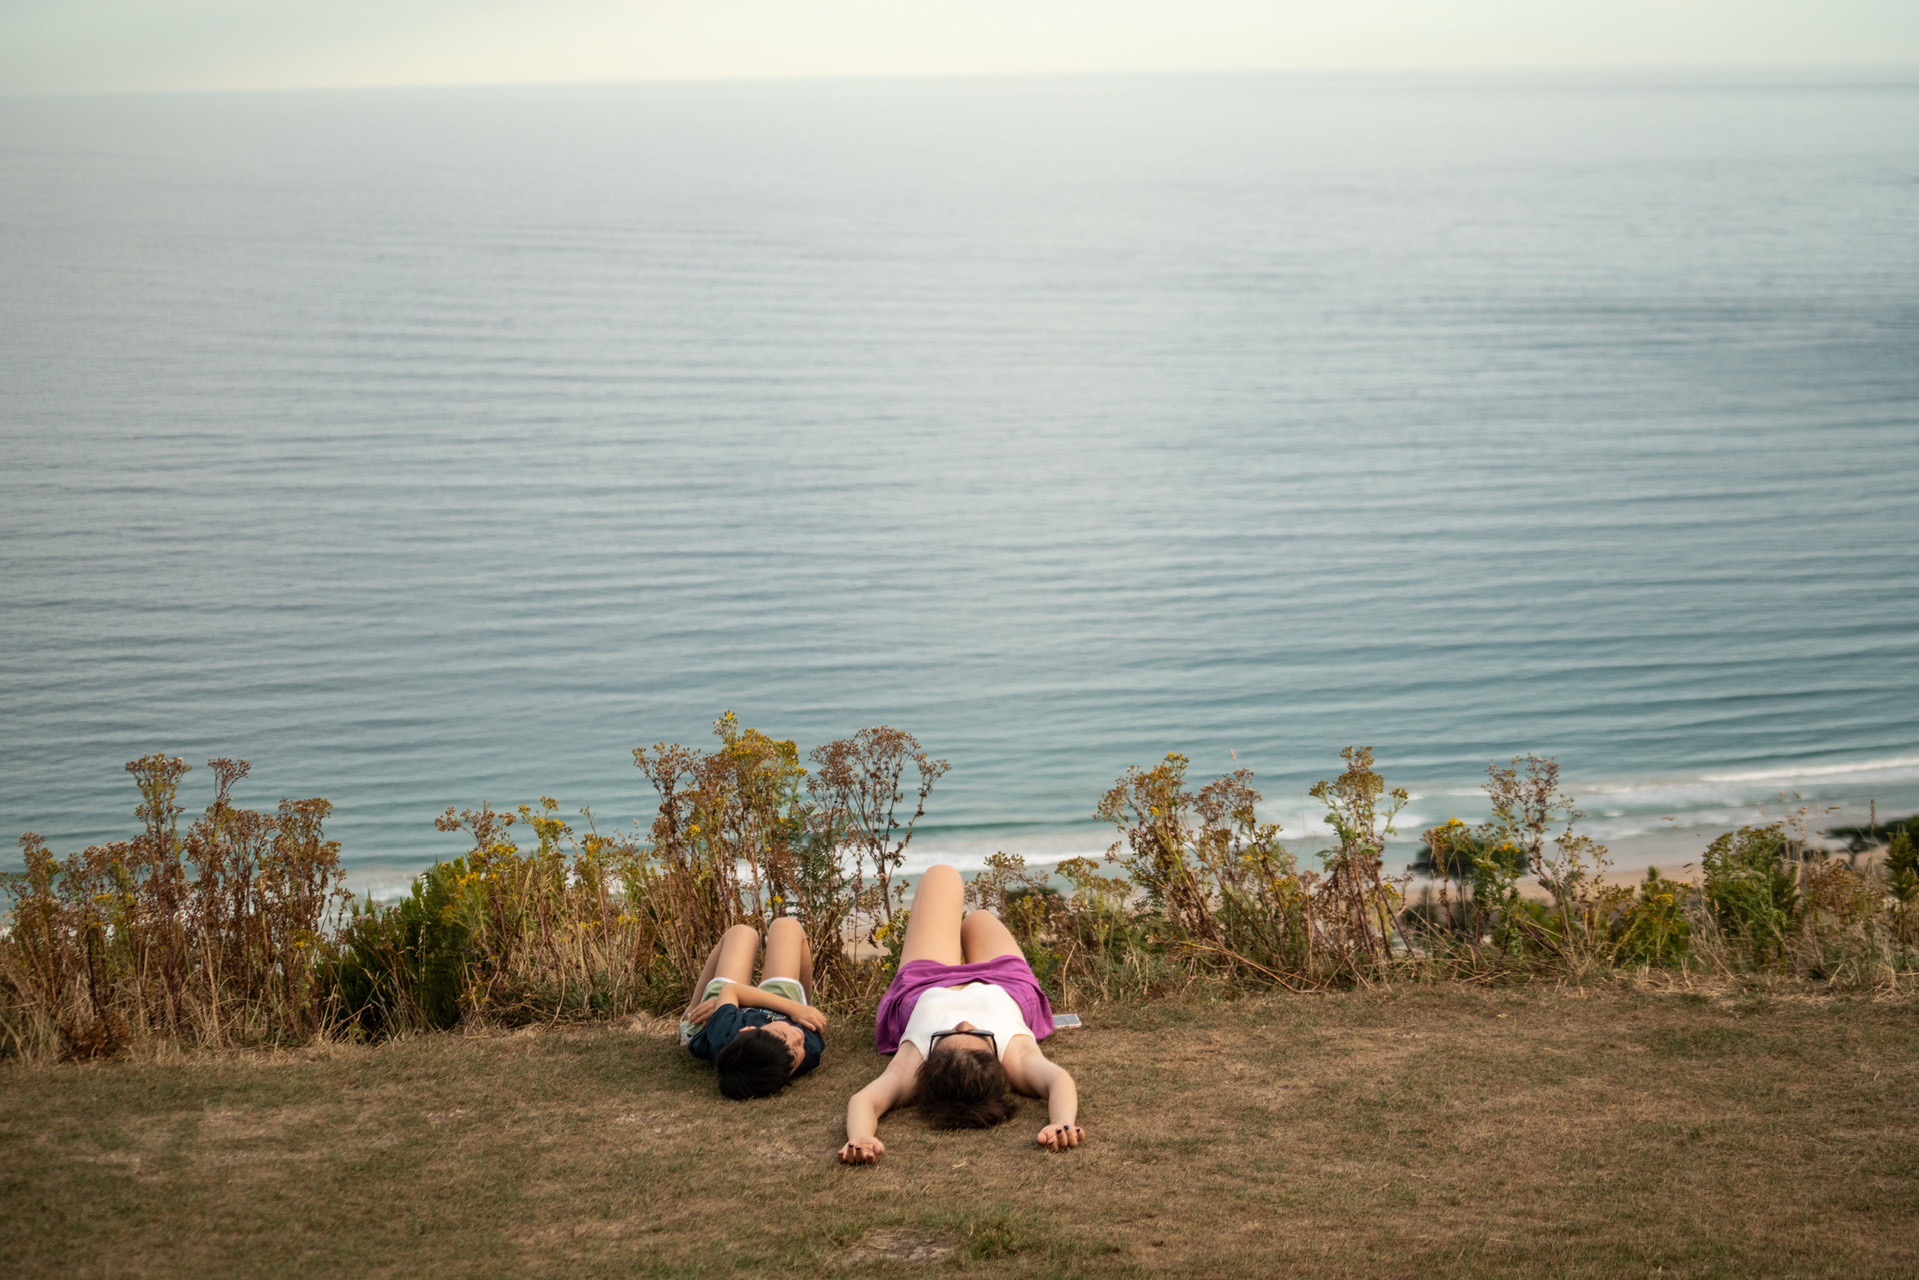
(94, 46)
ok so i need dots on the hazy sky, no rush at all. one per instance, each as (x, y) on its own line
(116, 45)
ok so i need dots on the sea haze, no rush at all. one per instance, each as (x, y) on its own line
(439, 447)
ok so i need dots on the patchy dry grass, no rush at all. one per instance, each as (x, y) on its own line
(1413, 1133)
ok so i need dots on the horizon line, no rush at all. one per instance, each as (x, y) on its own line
(1806, 71)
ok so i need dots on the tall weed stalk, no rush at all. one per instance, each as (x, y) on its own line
(215, 936)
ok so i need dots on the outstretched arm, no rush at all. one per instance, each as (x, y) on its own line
(863, 1110)
(1030, 1071)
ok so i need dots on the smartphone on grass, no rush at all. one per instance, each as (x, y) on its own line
(1062, 1021)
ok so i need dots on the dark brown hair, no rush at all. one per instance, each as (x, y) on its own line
(964, 1089)
(755, 1066)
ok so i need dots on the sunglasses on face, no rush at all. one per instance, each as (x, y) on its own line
(933, 1041)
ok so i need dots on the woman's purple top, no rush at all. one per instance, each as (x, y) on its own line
(1010, 974)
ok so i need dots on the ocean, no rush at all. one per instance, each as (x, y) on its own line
(439, 447)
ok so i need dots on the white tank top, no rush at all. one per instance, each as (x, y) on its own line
(983, 1004)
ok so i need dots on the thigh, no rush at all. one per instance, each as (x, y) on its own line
(739, 948)
(985, 937)
(933, 930)
(707, 974)
(787, 953)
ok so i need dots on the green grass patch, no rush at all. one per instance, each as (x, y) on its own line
(1415, 1132)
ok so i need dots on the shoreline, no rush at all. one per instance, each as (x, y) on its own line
(1644, 820)
(1674, 852)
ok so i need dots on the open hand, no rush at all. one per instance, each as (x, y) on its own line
(702, 1012)
(810, 1018)
(1058, 1137)
(862, 1151)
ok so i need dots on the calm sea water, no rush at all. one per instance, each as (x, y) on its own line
(440, 447)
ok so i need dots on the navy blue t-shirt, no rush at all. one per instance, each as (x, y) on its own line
(724, 1027)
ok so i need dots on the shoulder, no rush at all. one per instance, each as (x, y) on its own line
(1024, 1049)
(905, 1065)
(1026, 1065)
(899, 1082)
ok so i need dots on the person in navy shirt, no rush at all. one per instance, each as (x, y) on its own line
(759, 1038)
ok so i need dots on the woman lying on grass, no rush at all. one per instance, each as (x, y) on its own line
(761, 1037)
(963, 1020)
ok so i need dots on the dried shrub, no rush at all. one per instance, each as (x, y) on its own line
(730, 843)
(859, 786)
(216, 936)
(237, 930)
(1359, 907)
(1482, 924)
(1774, 902)
(1022, 899)
(1217, 893)
(1528, 808)
(585, 925)
(1104, 948)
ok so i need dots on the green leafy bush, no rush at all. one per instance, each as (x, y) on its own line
(1751, 891)
(1655, 928)
(403, 967)
(1902, 869)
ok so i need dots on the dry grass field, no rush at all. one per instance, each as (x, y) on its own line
(1418, 1132)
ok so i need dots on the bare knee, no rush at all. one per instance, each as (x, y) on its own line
(978, 928)
(785, 927)
(740, 933)
(941, 873)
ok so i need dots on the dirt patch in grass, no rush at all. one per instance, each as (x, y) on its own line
(1419, 1132)
(901, 1245)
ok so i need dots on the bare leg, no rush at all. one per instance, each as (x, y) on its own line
(788, 954)
(706, 976)
(739, 948)
(985, 937)
(933, 930)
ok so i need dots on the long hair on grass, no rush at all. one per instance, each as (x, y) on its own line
(964, 1089)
